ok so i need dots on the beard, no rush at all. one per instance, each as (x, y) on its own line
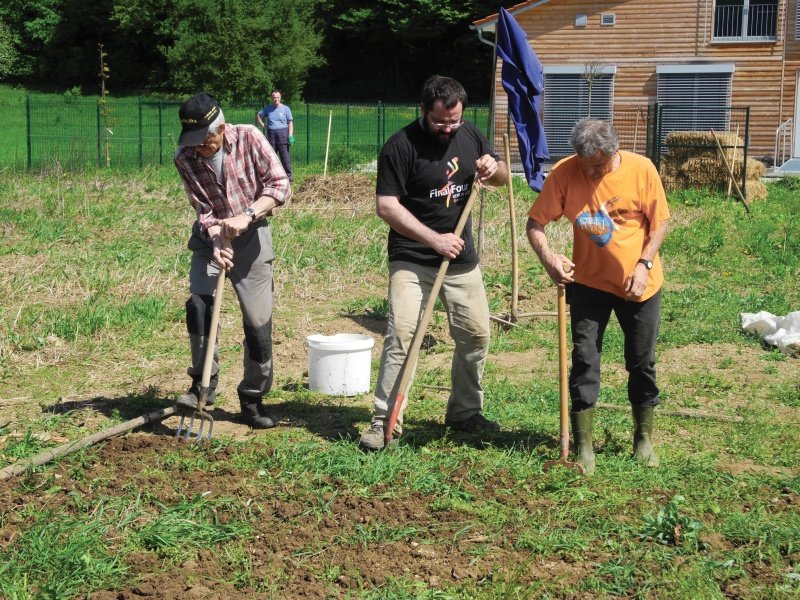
(442, 138)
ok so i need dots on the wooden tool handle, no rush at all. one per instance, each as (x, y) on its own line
(416, 342)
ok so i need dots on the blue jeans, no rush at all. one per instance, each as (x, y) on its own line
(590, 310)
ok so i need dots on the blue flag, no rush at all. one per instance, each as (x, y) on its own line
(523, 81)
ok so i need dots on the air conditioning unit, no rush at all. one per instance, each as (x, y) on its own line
(608, 19)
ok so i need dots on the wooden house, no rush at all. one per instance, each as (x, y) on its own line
(616, 59)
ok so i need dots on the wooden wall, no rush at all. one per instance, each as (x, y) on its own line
(647, 34)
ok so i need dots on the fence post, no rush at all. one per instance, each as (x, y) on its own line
(99, 139)
(160, 134)
(28, 126)
(347, 128)
(745, 146)
(141, 156)
(659, 109)
(308, 133)
(378, 129)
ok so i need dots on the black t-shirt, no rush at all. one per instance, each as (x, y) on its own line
(433, 181)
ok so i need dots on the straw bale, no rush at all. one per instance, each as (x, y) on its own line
(669, 168)
(704, 172)
(673, 182)
(702, 138)
(755, 190)
(755, 169)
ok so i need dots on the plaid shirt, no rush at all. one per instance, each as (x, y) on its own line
(251, 168)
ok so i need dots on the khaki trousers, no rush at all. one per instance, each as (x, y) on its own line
(464, 298)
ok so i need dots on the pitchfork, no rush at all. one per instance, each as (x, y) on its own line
(199, 414)
(562, 388)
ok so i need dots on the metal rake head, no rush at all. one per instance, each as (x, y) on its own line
(204, 429)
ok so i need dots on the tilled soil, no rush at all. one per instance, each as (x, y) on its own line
(289, 536)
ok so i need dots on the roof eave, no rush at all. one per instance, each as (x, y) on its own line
(488, 24)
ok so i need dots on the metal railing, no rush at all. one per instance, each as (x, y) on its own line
(747, 22)
(783, 143)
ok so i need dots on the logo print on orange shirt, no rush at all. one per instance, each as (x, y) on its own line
(598, 226)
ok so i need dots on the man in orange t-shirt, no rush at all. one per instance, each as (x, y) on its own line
(617, 206)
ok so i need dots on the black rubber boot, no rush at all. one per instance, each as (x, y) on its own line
(191, 398)
(642, 435)
(254, 413)
(582, 437)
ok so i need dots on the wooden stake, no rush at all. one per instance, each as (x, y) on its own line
(513, 223)
(327, 143)
(733, 157)
(636, 128)
(730, 172)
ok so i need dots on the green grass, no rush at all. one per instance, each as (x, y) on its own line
(95, 272)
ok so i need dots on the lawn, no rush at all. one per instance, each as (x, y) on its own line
(94, 267)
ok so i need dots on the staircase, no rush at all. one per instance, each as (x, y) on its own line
(790, 167)
(785, 162)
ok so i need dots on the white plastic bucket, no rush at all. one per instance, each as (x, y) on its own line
(339, 364)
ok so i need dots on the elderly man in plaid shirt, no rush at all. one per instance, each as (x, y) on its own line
(234, 180)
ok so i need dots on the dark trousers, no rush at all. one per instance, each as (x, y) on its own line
(279, 140)
(590, 310)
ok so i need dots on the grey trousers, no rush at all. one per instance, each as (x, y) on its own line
(464, 298)
(252, 281)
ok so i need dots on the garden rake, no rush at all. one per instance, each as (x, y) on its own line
(199, 414)
(563, 389)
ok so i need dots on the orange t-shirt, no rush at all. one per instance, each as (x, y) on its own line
(611, 219)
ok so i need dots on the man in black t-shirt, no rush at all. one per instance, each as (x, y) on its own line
(425, 175)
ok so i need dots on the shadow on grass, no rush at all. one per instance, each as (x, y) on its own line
(329, 422)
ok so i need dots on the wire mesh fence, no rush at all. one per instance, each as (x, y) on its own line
(84, 132)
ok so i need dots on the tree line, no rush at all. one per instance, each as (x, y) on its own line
(331, 50)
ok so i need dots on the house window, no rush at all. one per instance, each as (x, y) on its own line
(572, 92)
(745, 20)
(694, 97)
(797, 23)
(608, 19)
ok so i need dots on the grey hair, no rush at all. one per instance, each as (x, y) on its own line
(590, 136)
(214, 127)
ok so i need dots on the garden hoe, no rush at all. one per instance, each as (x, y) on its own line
(404, 380)
(199, 414)
(562, 388)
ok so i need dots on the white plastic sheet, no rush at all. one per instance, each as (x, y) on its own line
(783, 332)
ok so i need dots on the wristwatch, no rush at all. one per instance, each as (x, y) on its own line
(250, 213)
(647, 263)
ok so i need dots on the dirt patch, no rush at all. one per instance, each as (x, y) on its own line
(355, 190)
(302, 535)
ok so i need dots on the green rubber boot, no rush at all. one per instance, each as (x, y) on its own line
(642, 435)
(582, 438)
